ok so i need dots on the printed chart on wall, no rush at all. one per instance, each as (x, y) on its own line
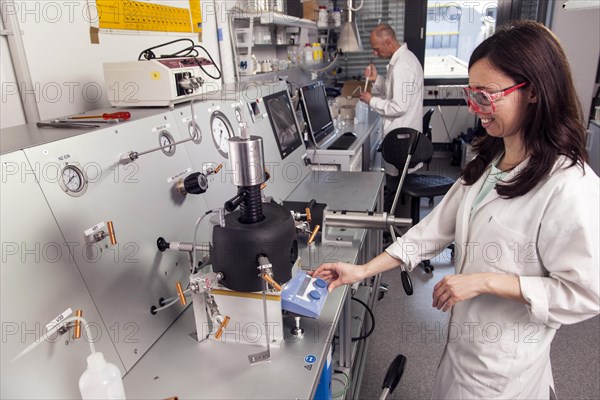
(150, 15)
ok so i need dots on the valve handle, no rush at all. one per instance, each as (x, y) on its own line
(218, 168)
(313, 234)
(77, 333)
(271, 282)
(180, 294)
(406, 283)
(308, 214)
(111, 232)
(222, 327)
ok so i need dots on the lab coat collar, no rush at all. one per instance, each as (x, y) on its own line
(397, 55)
(472, 193)
(493, 194)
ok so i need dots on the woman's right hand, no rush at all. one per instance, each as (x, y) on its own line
(338, 274)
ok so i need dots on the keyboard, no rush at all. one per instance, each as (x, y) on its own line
(343, 142)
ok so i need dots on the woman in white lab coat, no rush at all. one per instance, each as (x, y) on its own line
(524, 219)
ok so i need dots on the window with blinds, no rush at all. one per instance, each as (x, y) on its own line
(372, 13)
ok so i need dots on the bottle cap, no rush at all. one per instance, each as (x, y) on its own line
(96, 361)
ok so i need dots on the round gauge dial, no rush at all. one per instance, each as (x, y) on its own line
(166, 139)
(73, 181)
(194, 132)
(221, 132)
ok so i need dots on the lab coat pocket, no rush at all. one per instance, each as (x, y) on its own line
(509, 251)
(488, 361)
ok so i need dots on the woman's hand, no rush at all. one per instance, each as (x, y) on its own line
(453, 289)
(338, 274)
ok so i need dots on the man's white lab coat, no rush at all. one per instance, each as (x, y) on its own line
(500, 348)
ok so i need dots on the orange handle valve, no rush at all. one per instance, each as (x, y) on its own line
(218, 168)
(271, 282)
(181, 295)
(111, 232)
(222, 327)
(77, 333)
(308, 214)
(313, 234)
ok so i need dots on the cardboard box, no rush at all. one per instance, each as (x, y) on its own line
(311, 10)
(346, 106)
(350, 88)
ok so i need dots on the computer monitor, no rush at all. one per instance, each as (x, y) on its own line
(316, 113)
(283, 121)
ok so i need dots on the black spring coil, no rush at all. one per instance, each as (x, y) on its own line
(251, 207)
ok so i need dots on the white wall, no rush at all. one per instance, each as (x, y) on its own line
(66, 68)
(579, 33)
(11, 111)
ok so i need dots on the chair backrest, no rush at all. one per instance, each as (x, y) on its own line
(397, 144)
(426, 122)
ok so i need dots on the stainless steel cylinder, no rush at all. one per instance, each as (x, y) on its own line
(363, 220)
(247, 161)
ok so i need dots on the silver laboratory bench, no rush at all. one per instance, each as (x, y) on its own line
(179, 366)
(361, 156)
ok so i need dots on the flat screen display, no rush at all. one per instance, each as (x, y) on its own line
(316, 113)
(283, 122)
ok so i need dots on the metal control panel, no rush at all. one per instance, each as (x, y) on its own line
(86, 195)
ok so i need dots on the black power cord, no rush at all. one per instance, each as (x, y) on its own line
(366, 335)
(189, 51)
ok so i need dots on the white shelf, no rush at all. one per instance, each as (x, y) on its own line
(270, 17)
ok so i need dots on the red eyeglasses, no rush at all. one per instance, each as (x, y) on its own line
(482, 101)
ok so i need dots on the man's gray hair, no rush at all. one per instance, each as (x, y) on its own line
(384, 31)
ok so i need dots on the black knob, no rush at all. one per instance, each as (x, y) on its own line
(235, 201)
(406, 283)
(195, 183)
(162, 244)
(394, 373)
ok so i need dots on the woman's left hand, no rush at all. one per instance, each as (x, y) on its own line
(453, 289)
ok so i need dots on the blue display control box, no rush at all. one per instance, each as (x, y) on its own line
(304, 295)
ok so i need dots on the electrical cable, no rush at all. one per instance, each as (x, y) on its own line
(190, 51)
(194, 242)
(366, 335)
(346, 384)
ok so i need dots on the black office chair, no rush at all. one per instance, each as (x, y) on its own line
(395, 149)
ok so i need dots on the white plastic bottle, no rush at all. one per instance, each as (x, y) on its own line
(308, 54)
(101, 379)
(361, 112)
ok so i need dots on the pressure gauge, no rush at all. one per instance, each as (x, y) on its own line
(166, 139)
(221, 132)
(72, 180)
(195, 132)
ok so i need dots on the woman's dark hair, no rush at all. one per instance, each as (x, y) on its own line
(527, 51)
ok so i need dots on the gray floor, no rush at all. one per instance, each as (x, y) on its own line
(410, 326)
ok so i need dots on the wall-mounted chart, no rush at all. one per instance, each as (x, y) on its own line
(150, 15)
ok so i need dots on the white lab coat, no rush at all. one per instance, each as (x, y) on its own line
(399, 97)
(496, 347)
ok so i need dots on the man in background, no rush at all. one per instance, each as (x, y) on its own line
(397, 97)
